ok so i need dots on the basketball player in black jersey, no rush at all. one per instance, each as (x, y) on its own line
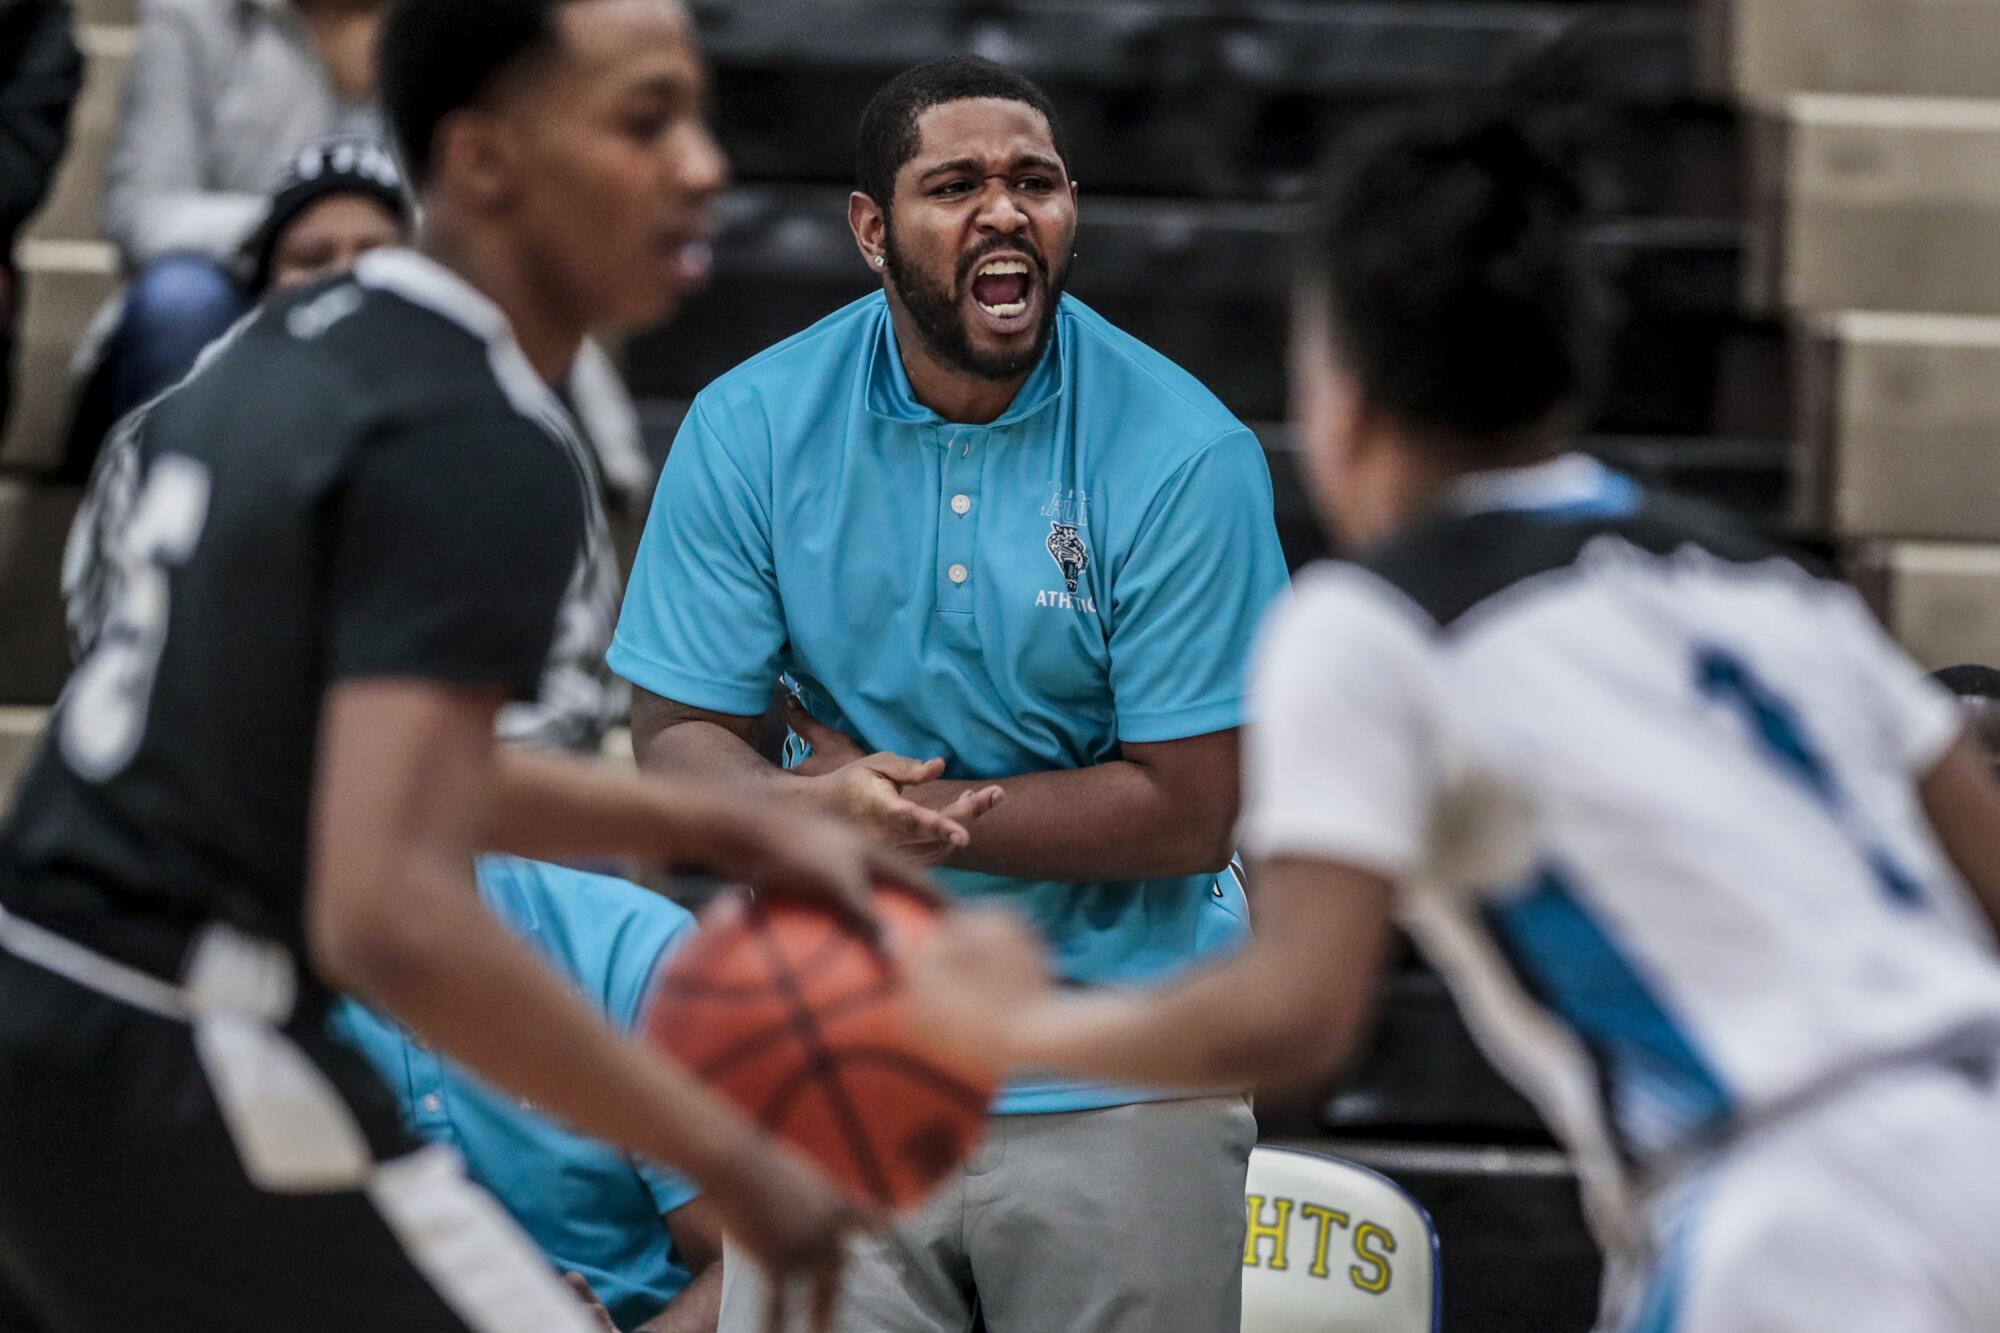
(350, 531)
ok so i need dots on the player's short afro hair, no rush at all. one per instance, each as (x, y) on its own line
(441, 56)
(1446, 255)
(888, 138)
(1970, 681)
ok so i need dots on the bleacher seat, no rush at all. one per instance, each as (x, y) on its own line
(34, 645)
(1207, 284)
(1333, 1247)
(1221, 100)
(1514, 1253)
(1901, 429)
(1878, 203)
(1766, 50)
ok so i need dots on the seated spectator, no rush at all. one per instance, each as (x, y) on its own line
(338, 199)
(221, 95)
(40, 73)
(647, 1248)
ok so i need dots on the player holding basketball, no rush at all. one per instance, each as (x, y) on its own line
(975, 524)
(267, 780)
(1690, 837)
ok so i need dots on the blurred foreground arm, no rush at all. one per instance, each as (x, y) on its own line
(1963, 806)
(407, 771)
(1283, 1013)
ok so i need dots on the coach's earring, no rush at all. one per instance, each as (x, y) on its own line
(879, 261)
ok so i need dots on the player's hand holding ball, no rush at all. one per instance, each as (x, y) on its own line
(792, 1220)
(792, 849)
(790, 1013)
(980, 992)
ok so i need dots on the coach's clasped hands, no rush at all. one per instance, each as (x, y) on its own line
(873, 790)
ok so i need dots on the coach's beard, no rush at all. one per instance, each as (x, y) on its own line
(942, 322)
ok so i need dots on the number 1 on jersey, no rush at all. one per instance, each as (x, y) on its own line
(104, 709)
(1777, 731)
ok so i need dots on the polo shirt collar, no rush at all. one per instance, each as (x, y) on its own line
(888, 385)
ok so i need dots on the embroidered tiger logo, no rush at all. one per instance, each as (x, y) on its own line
(1066, 548)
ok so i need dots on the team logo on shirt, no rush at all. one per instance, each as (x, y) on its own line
(1066, 548)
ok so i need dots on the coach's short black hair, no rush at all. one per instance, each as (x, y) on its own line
(1446, 251)
(888, 137)
(440, 56)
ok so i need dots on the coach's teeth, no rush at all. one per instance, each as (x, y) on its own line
(1000, 267)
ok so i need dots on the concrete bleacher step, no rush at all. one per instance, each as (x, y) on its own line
(65, 284)
(20, 732)
(34, 643)
(1900, 417)
(73, 207)
(1762, 51)
(1877, 203)
(1941, 600)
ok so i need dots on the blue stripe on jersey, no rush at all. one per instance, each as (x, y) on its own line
(1657, 1087)
(1722, 675)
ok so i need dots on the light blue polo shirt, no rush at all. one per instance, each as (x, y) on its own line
(1087, 570)
(591, 1208)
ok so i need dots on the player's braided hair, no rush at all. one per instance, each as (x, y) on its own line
(440, 56)
(888, 136)
(1446, 254)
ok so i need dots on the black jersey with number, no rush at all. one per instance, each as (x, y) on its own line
(368, 480)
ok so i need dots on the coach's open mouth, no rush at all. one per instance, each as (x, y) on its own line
(1007, 293)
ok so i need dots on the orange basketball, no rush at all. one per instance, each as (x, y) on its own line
(786, 1010)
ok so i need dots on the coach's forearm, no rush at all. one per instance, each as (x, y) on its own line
(1111, 821)
(704, 751)
(679, 741)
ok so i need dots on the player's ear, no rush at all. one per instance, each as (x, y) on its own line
(870, 226)
(478, 156)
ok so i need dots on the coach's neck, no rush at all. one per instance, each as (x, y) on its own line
(952, 393)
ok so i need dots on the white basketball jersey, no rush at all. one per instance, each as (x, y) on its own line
(1650, 793)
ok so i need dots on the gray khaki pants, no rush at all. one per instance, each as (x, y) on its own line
(1124, 1220)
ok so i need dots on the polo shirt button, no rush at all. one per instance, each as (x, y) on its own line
(960, 503)
(433, 1103)
(958, 573)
